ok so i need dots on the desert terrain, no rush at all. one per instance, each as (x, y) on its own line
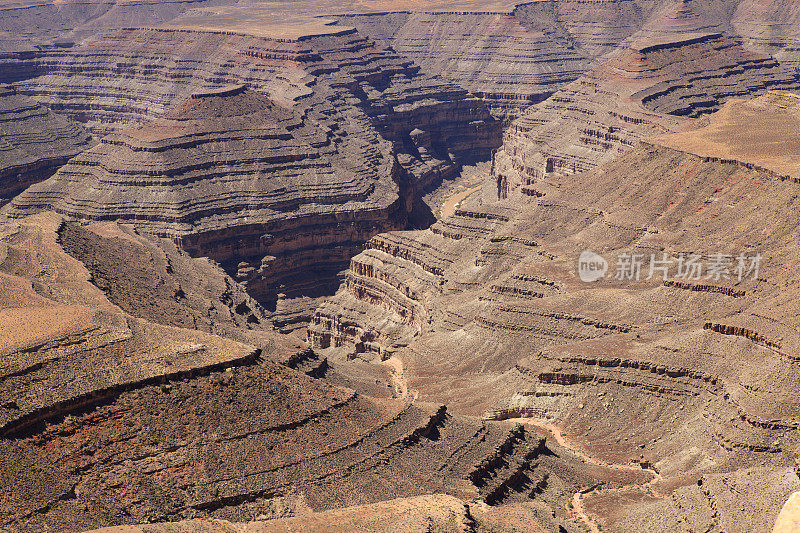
(355, 265)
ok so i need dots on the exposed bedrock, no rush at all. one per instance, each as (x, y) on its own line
(349, 134)
(689, 378)
(109, 418)
(280, 200)
(772, 27)
(34, 142)
(438, 512)
(518, 58)
(135, 75)
(153, 279)
(651, 87)
(62, 25)
(508, 62)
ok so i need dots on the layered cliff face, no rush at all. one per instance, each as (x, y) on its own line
(61, 24)
(281, 200)
(135, 75)
(674, 17)
(517, 58)
(34, 142)
(109, 418)
(649, 88)
(299, 193)
(693, 376)
(496, 56)
(772, 27)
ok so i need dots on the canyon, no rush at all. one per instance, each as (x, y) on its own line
(654, 371)
(650, 88)
(321, 266)
(366, 119)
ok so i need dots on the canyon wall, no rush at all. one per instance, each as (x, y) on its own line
(108, 418)
(280, 200)
(649, 88)
(349, 134)
(693, 378)
(136, 74)
(510, 65)
(772, 27)
(34, 142)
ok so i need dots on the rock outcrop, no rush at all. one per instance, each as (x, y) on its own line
(108, 418)
(507, 60)
(34, 142)
(694, 377)
(279, 199)
(422, 513)
(647, 89)
(135, 75)
(601, 332)
(298, 195)
(770, 27)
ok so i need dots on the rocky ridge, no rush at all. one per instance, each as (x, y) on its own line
(341, 75)
(107, 418)
(507, 62)
(134, 393)
(279, 199)
(361, 114)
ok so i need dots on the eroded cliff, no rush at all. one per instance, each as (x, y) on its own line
(34, 142)
(648, 88)
(692, 378)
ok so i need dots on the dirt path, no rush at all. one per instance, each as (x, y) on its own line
(577, 498)
(449, 205)
(577, 510)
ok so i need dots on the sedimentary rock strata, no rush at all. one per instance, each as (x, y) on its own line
(340, 75)
(34, 142)
(598, 334)
(320, 175)
(107, 418)
(647, 89)
(277, 198)
(691, 378)
(420, 513)
(507, 61)
(771, 27)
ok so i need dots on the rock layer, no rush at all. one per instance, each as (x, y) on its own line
(694, 378)
(771, 27)
(508, 62)
(34, 142)
(279, 199)
(340, 75)
(107, 418)
(295, 199)
(647, 89)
